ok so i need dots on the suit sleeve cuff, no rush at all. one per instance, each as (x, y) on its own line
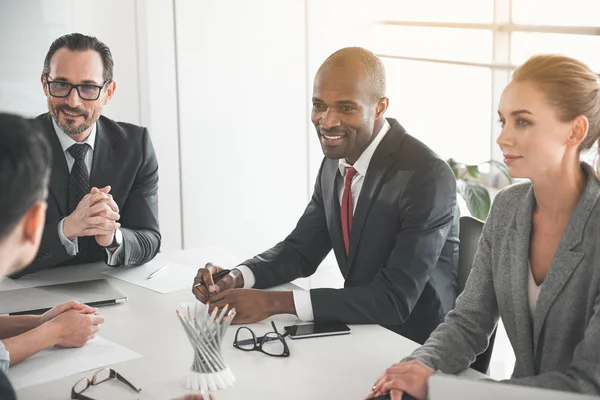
(71, 247)
(248, 275)
(114, 258)
(303, 304)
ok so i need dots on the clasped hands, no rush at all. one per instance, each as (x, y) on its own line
(71, 324)
(96, 215)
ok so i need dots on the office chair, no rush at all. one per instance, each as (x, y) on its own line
(470, 231)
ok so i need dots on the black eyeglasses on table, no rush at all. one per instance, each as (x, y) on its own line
(102, 375)
(275, 343)
(62, 89)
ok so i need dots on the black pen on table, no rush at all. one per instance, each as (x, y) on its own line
(215, 277)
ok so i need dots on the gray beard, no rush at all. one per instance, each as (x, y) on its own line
(69, 129)
(73, 131)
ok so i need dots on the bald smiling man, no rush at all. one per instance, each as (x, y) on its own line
(383, 201)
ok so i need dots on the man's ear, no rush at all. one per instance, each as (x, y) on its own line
(381, 107)
(111, 87)
(44, 86)
(33, 223)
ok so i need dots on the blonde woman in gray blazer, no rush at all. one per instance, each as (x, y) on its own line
(538, 262)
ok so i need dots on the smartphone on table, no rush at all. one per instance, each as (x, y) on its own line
(318, 329)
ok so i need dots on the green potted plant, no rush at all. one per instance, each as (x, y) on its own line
(468, 185)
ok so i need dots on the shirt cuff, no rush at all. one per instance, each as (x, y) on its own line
(248, 275)
(71, 247)
(303, 304)
(4, 358)
(114, 258)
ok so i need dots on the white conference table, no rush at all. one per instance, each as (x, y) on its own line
(337, 367)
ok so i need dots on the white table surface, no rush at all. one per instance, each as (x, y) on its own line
(339, 367)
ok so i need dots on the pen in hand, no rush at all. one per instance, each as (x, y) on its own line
(215, 277)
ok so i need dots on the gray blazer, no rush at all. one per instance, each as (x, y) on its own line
(560, 349)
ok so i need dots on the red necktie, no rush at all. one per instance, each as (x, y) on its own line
(347, 207)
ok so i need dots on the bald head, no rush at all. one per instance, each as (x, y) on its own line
(359, 65)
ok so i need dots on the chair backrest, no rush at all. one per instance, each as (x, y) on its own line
(470, 232)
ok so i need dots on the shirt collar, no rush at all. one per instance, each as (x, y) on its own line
(362, 164)
(67, 141)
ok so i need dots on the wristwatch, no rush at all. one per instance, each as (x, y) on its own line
(117, 241)
(236, 273)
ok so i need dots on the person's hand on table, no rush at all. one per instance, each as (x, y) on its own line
(405, 377)
(73, 328)
(61, 308)
(194, 397)
(209, 287)
(251, 305)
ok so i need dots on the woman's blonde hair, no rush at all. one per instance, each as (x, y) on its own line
(570, 86)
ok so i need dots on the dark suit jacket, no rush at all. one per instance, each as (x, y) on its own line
(6, 390)
(402, 265)
(124, 159)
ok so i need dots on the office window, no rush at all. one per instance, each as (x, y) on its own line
(447, 106)
(526, 44)
(575, 13)
(448, 62)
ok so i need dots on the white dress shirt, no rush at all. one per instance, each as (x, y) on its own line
(72, 247)
(302, 298)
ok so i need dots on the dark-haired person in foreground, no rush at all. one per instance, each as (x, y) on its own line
(24, 172)
(103, 201)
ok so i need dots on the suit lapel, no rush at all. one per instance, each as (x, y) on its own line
(519, 239)
(382, 160)
(566, 259)
(104, 166)
(59, 178)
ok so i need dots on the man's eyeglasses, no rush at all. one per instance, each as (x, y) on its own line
(62, 89)
(272, 344)
(100, 376)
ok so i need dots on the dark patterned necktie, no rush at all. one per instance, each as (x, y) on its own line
(79, 182)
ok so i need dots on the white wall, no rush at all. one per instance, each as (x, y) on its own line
(243, 121)
(158, 109)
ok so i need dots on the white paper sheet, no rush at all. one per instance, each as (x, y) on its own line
(175, 277)
(56, 363)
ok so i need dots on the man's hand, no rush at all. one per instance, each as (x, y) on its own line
(111, 213)
(61, 308)
(209, 287)
(252, 305)
(73, 328)
(405, 377)
(95, 214)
